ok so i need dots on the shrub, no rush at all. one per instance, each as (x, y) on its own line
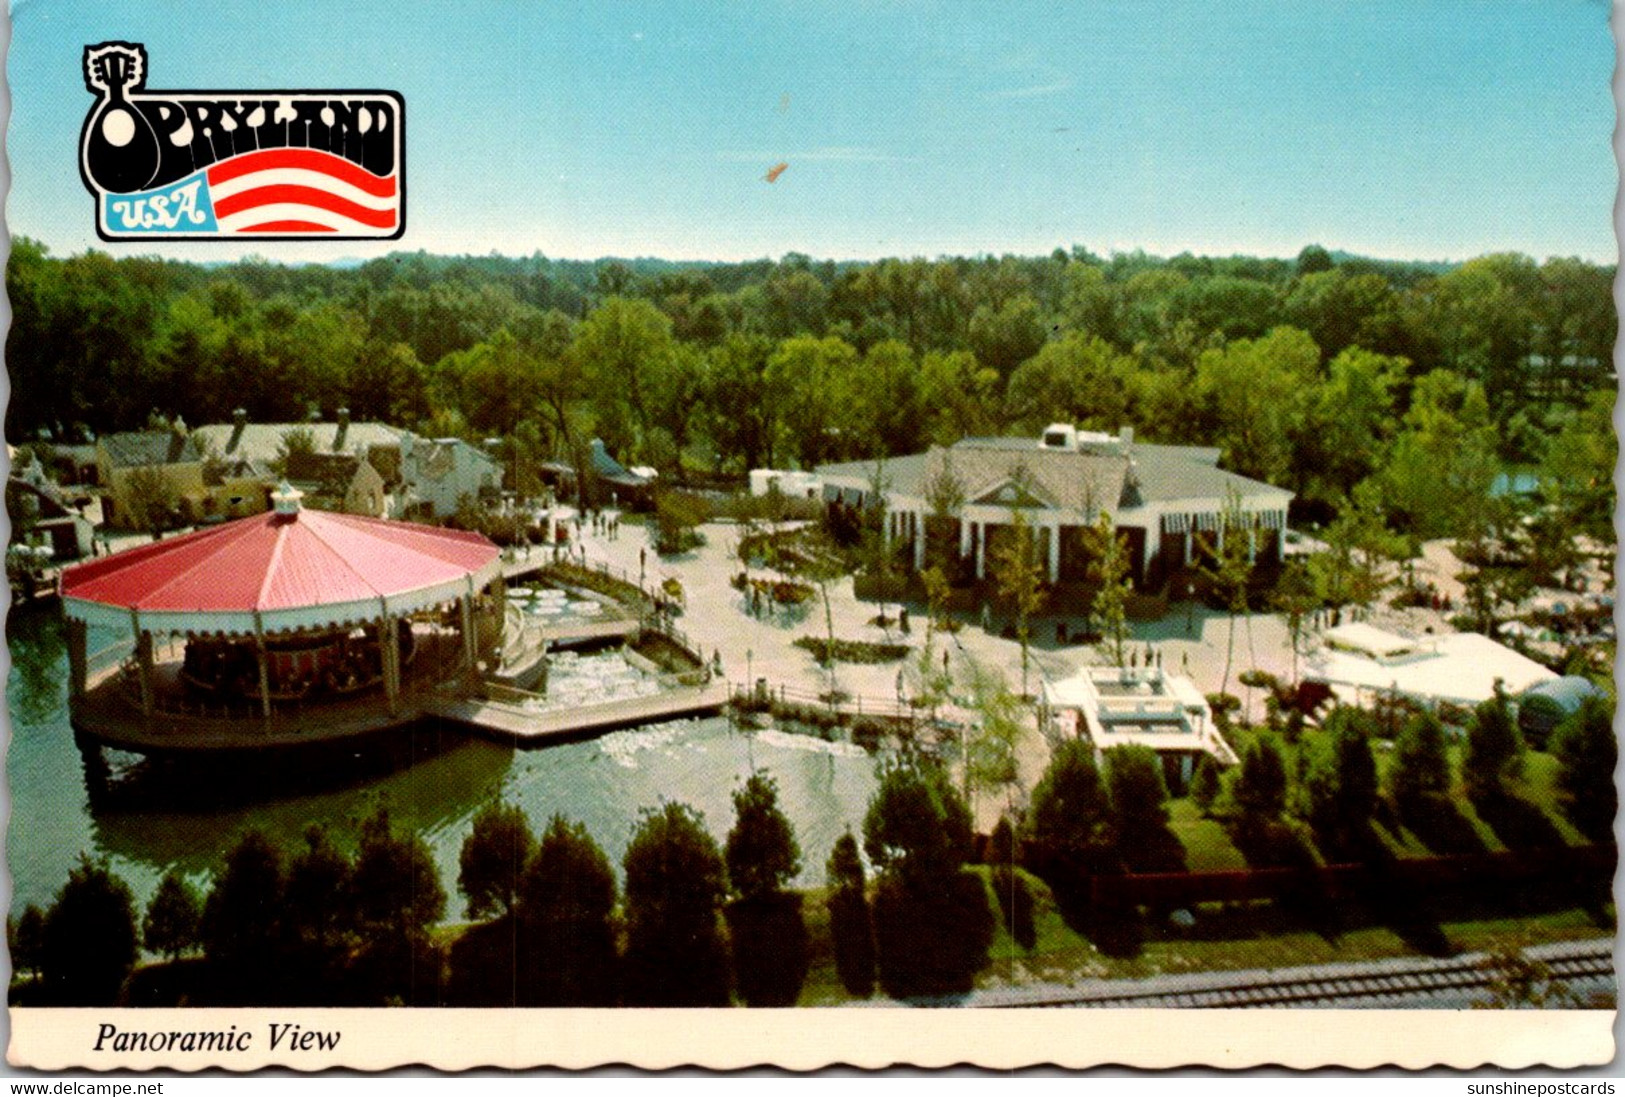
(861, 652)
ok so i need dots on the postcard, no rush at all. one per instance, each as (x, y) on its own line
(908, 533)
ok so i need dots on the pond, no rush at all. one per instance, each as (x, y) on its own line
(824, 787)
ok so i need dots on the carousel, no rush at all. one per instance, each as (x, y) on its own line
(293, 626)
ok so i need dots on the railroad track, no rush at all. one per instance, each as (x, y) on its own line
(1585, 968)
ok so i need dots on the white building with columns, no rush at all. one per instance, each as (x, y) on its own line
(1168, 502)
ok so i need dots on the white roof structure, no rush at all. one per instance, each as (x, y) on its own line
(1144, 707)
(1458, 668)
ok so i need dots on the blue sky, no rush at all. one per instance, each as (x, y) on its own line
(1424, 129)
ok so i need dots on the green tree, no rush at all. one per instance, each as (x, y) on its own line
(1494, 747)
(624, 351)
(1421, 766)
(1587, 753)
(849, 919)
(933, 925)
(1261, 786)
(1020, 579)
(1341, 784)
(26, 933)
(675, 885)
(1294, 597)
(768, 933)
(1109, 567)
(1078, 379)
(1439, 473)
(242, 920)
(317, 909)
(1067, 834)
(493, 859)
(1231, 570)
(1139, 804)
(812, 383)
(916, 826)
(90, 937)
(1205, 784)
(1257, 392)
(762, 853)
(395, 885)
(565, 911)
(173, 917)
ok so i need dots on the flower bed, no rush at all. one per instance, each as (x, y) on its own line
(851, 651)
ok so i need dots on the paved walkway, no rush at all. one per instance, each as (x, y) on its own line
(1193, 640)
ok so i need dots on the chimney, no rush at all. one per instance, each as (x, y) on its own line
(239, 421)
(344, 429)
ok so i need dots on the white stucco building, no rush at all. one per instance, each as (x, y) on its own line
(1168, 502)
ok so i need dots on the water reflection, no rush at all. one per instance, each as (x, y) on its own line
(163, 816)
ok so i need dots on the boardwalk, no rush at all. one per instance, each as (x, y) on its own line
(524, 727)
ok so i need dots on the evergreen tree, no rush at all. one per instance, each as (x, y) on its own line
(493, 859)
(1494, 747)
(27, 936)
(849, 918)
(395, 884)
(173, 917)
(1068, 827)
(1341, 783)
(1139, 799)
(1205, 784)
(1261, 787)
(89, 945)
(1586, 753)
(566, 915)
(762, 853)
(675, 884)
(933, 925)
(317, 909)
(768, 934)
(1421, 763)
(242, 922)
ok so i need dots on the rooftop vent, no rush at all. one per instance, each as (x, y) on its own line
(1059, 436)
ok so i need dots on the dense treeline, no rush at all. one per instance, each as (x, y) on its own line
(1318, 373)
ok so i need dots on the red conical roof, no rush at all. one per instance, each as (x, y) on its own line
(273, 563)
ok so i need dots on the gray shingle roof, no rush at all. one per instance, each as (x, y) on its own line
(263, 441)
(1066, 478)
(139, 449)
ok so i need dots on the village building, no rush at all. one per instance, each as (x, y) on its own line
(1168, 502)
(1359, 662)
(421, 478)
(1124, 706)
(149, 479)
(340, 482)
